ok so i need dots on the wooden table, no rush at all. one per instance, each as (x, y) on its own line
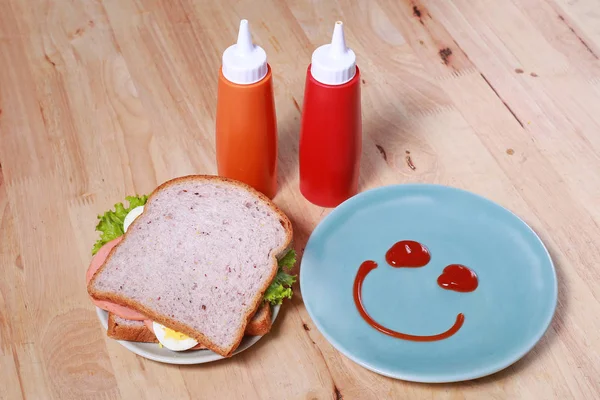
(101, 99)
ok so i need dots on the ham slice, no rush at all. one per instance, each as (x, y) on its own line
(109, 306)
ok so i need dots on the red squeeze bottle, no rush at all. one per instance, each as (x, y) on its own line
(331, 128)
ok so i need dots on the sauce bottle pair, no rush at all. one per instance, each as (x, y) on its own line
(331, 127)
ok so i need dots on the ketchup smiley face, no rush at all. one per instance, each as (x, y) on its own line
(411, 254)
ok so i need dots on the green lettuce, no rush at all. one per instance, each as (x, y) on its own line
(111, 223)
(280, 288)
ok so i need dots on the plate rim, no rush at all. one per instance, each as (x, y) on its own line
(448, 377)
(208, 356)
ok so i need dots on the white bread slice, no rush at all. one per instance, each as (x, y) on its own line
(198, 260)
(136, 331)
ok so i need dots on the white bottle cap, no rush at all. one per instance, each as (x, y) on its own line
(334, 64)
(244, 62)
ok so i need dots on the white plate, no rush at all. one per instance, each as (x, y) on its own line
(154, 352)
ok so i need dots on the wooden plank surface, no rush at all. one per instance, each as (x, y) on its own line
(101, 99)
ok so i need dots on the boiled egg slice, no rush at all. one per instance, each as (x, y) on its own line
(131, 216)
(171, 339)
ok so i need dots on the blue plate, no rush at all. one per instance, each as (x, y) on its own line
(504, 317)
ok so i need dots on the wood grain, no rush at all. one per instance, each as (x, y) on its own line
(101, 99)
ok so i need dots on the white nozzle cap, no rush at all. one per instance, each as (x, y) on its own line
(244, 62)
(334, 64)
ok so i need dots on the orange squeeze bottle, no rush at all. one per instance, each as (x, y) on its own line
(246, 126)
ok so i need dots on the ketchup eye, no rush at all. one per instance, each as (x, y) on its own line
(408, 254)
(459, 278)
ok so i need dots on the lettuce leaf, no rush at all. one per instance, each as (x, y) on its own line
(280, 288)
(288, 260)
(111, 223)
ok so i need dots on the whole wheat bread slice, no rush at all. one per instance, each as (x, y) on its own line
(130, 330)
(136, 331)
(198, 260)
(261, 323)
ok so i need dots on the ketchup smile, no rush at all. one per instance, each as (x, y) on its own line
(363, 271)
(411, 254)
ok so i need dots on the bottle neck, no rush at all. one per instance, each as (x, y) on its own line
(355, 79)
(267, 77)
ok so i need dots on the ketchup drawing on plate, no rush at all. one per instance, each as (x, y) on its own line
(411, 254)
(363, 271)
(459, 278)
(408, 254)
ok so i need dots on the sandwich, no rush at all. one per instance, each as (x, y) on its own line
(195, 265)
